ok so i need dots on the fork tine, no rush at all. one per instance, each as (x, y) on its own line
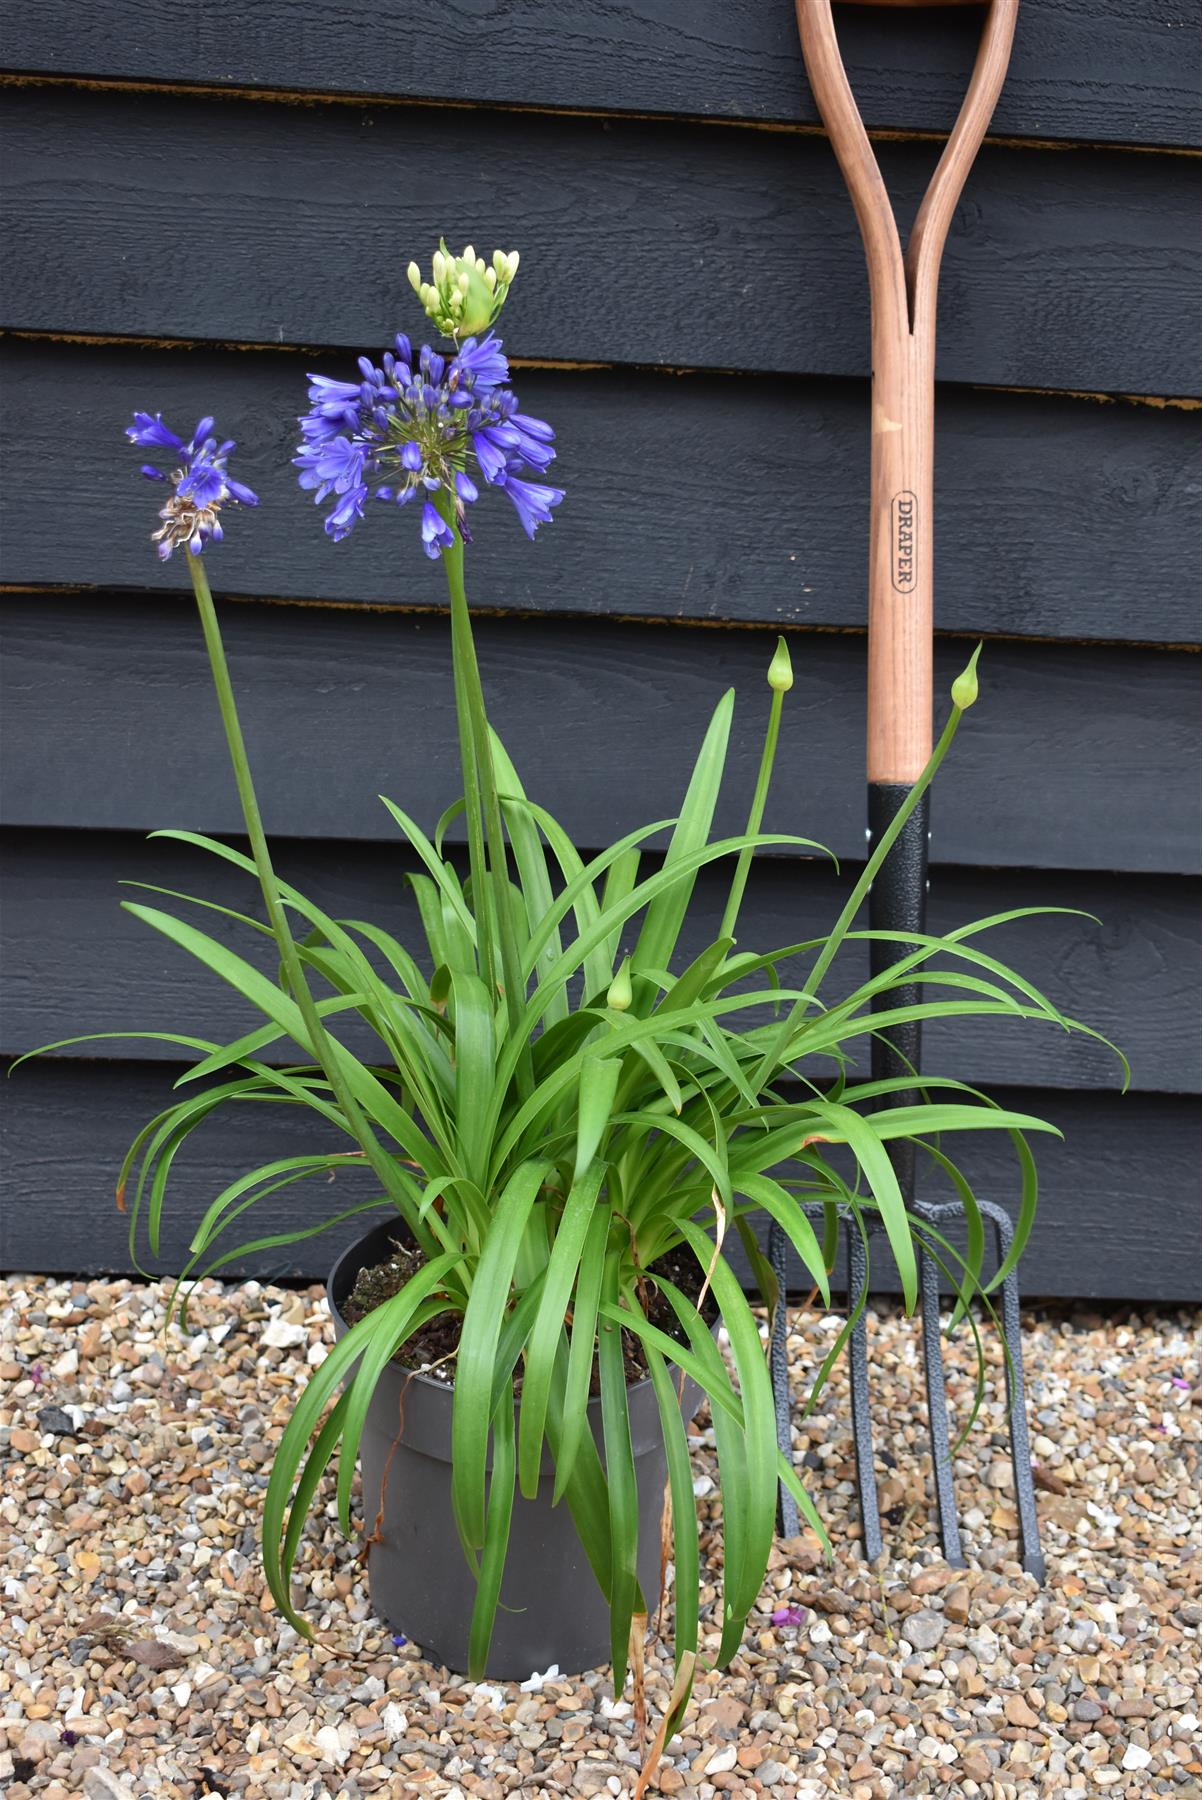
(861, 1417)
(1020, 1446)
(932, 1356)
(788, 1524)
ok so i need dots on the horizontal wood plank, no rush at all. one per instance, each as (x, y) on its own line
(1116, 1213)
(1055, 517)
(1124, 79)
(1075, 757)
(77, 962)
(168, 216)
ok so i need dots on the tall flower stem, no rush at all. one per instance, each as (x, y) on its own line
(319, 1040)
(755, 817)
(479, 778)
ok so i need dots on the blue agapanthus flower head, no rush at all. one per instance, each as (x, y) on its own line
(201, 480)
(418, 425)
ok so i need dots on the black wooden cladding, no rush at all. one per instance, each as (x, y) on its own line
(731, 496)
(168, 216)
(68, 1125)
(1055, 516)
(601, 718)
(77, 962)
(1121, 75)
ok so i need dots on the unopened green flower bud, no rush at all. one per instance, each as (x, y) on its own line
(964, 687)
(620, 991)
(479, 303)
(466, 293)
(780, 669)
(415, 278)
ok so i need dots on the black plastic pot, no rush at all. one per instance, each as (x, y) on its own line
(552, 1609)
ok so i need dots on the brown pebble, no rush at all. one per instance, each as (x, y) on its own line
(1018, 1712)
(956, 1603)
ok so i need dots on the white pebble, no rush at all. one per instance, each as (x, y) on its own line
(394, 1721)
(67, 1364)
(330, 1743)
(280, 1335)
(1136, 1758)
(535, 1684)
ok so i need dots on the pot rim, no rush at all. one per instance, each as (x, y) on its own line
(429, 1381)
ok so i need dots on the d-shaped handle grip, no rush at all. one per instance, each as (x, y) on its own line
(903, 290)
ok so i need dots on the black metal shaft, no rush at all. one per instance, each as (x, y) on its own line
(897, 901)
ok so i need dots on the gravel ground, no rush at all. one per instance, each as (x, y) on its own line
(143, 1656)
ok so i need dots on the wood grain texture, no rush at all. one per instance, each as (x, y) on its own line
(1131, 1162)
(1076, 756)
(903, 290)
(1066, 269)
(1055, 517)
(1116, 73)
(75, 961)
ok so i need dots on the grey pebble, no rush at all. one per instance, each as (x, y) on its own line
(58, 1423)
(924, 1629)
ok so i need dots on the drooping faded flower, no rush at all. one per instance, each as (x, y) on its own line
(417, 425)
(202, 483)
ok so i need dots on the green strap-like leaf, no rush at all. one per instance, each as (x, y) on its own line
(665, 914)
(780, 1205)
(547, 1333)
(598, 1086)
(685, 1556)
(864, 1140)
(496, 1537)
(578, 1378)
(367, 1089)
(625, 1598)
(475, 1051)
(478, 1349)
(392, 1322)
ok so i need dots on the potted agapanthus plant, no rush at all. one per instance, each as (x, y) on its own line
(562, 1130)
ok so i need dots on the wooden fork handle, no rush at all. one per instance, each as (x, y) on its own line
(922, 3)
(903, 291)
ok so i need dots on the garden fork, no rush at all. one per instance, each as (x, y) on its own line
(903, 287)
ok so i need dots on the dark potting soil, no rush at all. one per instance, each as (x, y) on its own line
(433, 1347)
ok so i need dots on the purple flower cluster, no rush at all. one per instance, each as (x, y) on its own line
(412, 427)
(202, 483)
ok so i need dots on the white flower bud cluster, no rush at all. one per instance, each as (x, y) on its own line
(466, 293)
